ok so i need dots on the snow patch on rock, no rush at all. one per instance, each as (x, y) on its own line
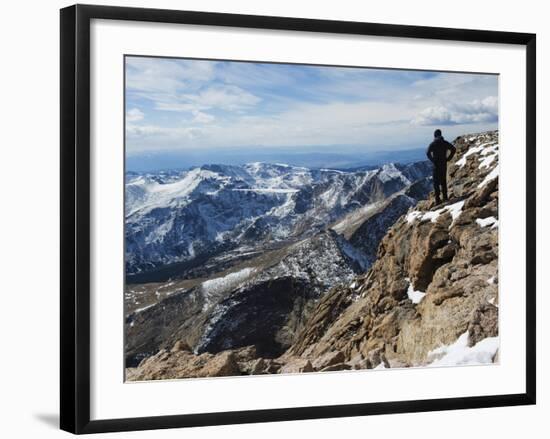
(227, 282)
(489, 221)
(414, 296)
(460, 354)
(487, 151)
(489, 155)
(471, 151)
(454, 209)
(490, 176)
(143, 308)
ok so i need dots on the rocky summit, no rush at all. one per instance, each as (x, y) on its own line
(427, 297)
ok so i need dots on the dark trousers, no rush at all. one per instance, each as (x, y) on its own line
(440, 180)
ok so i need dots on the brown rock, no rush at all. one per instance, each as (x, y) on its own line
(375, 358)
(259, 366)
(246, 353)
(484, 323)
(272, 366)
(482, 195)
(183, 364)
(328, 359)
(297, 365)
(398, 288)
(423, 263)
(358, 362)
(181, 346)
(337, 366)
(360, 365)
(223, 364)
(446, 253)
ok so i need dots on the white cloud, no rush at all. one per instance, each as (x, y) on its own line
(197, 104)
(305, 124)
(190, 86)
(200, 117)
(165, 75)
(228, 97)
(476, 111)
(134, 115)
(133, 130)
(177, 135)
(218, 96)
(374, 125)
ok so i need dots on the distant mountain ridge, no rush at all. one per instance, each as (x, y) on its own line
(337, 156)
(177, 217)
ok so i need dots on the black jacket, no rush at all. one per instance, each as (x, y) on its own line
(437, 151)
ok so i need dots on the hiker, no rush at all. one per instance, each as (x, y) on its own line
(437, 153)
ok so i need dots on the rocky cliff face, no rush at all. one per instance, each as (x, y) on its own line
(435, 277)
(429, 298)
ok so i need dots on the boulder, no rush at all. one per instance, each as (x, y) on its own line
(297, 365)
(181, 346)
(272, 366)
(328, 359)
(483, 324)
(223, 364)
(184, 364)
(246, 353)
(253, 367)
(375, 358)
(337, 366)
(357, 362)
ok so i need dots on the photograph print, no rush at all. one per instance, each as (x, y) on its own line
(291, 218)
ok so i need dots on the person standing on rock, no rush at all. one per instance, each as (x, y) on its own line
(437, 153)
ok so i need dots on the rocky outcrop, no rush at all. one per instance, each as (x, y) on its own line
(296, 365)
(435, 276)
(364, 228)
(179, 364)
(434, 283)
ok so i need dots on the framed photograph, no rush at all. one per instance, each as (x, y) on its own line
(268, 218)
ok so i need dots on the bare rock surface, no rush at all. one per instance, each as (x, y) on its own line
(183, 364)
(297, 365)
(329, 359)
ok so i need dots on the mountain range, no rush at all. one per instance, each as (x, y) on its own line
(341, 271)
(177, 221)
(223, 256)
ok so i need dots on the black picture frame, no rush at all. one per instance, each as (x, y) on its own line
(75, 217)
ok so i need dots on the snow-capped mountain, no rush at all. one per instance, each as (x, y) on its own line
(186, 219)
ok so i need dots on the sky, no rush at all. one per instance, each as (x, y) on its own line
(214, 109)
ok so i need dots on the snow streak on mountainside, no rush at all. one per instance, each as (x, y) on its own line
(192, 216)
